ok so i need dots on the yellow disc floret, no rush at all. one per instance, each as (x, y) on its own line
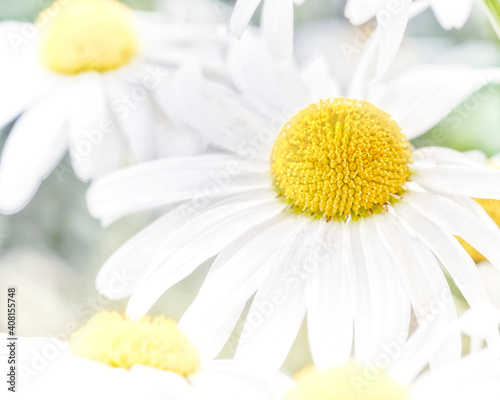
(350, 382)
(114, 339)
(87, 35)
(340, 158)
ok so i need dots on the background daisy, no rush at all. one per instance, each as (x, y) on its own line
(402, 375)
(113, 357)
(83, 78)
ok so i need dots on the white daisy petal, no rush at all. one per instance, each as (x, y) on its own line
(451, 13)
(135, 122)
(444, 212)
(319, 81)
(277, 25)
(30, 153)
(359, 11)
(149, 185)
(278, 308)
(120, 274)
(453, 256)
(18, 94)
(208, 234)
(22, 80)
(233, 278)
(475, 375)
(425, 283)
(243, 12)
(274, 86)
(257, 378)
(444, 156)
(391, 30)
(330, 302)
(431, 92)
(92, 129)
(479, 182)
(474, 207)
(221, 117)
(391, 310)
(363, 317)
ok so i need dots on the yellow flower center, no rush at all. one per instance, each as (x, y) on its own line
(340, 158)
(113, 339)
(492, 207)
(87, 35)
(350, 382)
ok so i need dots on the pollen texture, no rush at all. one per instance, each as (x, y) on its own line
(350, 382)
(340, 158)
(113, 339)
(86, 35)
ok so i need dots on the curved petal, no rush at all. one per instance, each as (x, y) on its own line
(95, 146)
(277, 25)
(319, 81)
(429, 293)
(451, 13)
(160, 182)
(133, 113)
(421, 97)
(330, 299)
(34, 146)
(392, 23)
(22, 79)
(279, 306)
(452, 255)
(360, 11)
(122, 272)
(479, 181)
(243, 12)
(275, 86)
(198, 240)
(443, 212)
(391, 310)
(236, 274)
(223, 117)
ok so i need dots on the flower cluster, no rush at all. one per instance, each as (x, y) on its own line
(299, 177)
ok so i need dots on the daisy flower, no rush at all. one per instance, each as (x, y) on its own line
(114, 357)
(399, 376)
(83, 78)
(312, 202)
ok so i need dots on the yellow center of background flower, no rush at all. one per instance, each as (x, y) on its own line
(350, 382)
(87, 35)
(340, 158)
(113, 339)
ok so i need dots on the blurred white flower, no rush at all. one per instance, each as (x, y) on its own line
(114, 358)
(85, 78)
(398, 373)
(44, 295)
(334, 215)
